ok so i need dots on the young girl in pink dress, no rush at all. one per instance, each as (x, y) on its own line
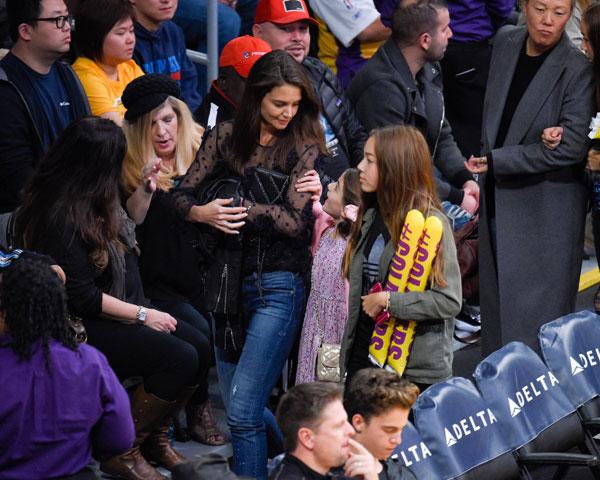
(327, 309)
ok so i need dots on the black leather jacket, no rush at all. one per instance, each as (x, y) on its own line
(385, 93)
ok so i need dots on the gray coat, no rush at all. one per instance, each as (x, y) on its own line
(540, 197)
(434, 309)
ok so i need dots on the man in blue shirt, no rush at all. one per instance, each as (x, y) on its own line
(160, 47)
(39, 95)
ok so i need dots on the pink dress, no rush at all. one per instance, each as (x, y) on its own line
(327, 309)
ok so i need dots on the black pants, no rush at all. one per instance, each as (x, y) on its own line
(166, 362)
(465, 69)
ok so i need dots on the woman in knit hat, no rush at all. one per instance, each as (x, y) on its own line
(162, 137)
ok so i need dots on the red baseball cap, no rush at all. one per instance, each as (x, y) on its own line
(282, 12)
(242, 53)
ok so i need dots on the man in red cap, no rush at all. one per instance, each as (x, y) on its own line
(237, 58)
(283, 24)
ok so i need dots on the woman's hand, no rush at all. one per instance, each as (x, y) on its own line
(218, 215)
(160, 321)
(150, 173)
(551, 137)
(374, 303)
(311, 183)
(593, 160)
(360, 463)
(476, 164)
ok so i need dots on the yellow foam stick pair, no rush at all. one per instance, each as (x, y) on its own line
(397, 280)
(411, 265)
(404, 331)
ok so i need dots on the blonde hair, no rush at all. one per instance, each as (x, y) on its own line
(140, 149)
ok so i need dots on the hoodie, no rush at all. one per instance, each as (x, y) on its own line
(163, 51)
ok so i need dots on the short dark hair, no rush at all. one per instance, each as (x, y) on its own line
(21, 11)
(414, 19)
(302, 406)
(94, 20)
(373, 391)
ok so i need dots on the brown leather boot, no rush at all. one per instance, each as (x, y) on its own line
(157, 448)
(148, 411)
(202, 425)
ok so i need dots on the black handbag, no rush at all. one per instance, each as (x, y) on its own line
(268, 186)
(224, 187)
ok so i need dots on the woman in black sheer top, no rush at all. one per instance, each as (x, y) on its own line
(274, 140)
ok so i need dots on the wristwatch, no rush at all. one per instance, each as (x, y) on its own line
(140, 316)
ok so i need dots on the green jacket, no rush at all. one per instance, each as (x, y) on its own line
(434, 309)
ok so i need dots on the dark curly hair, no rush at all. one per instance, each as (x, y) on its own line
(34, 304)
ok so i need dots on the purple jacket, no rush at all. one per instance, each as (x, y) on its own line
(50, 421)
(477, 20)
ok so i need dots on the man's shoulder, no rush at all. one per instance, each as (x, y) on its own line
(378, 72)
(314, 65)
(287, 470)
(319, 73)
(394, 470)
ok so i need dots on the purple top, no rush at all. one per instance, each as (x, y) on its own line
(477, 20)
(50, 420)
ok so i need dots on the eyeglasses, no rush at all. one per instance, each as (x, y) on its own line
(58, 21)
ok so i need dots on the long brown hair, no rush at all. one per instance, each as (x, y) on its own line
(77, 183)
(592, 19)
(351, 195)
(272, 70)
(405, 183)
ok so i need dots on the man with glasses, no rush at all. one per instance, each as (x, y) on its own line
(39, 94)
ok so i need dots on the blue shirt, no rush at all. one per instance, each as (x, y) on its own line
(163, 51)
(55, 102)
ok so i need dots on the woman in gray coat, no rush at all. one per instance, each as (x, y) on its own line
(396, 176)
(533, 200)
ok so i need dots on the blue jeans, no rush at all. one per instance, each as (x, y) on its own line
(191, 17)
(274, 312)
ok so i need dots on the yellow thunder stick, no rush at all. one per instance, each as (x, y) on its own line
(404, 330)
(400, 268)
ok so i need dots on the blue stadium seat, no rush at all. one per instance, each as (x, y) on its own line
(463, 433)
(415, 455)
(571, 348)
(538, 420)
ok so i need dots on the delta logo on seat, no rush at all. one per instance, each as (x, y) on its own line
(467, 426)
(528, 393)
(414, 454)
(591, 358)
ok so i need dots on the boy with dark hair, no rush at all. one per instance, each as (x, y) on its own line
(378, 403)
(160, 47)
(39, 95)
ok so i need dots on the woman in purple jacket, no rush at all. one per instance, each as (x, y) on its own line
(61, 403)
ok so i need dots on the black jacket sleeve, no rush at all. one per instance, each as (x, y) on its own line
(66, 247)
(19, 147)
